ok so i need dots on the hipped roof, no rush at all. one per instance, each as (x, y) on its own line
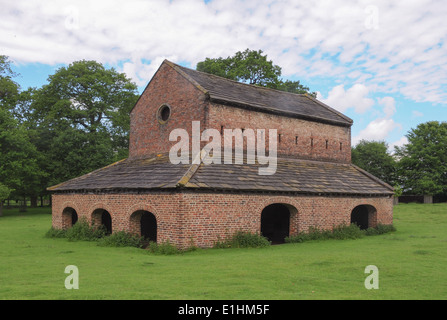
(292, 175)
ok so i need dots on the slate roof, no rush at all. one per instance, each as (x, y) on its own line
(229, 92)
(292, 175)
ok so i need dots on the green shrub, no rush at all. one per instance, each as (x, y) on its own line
(81, 230)
(381, 229)
(243, 239)
(165, 248)
(344, 232)
(313, 234)
(340, 232)
(121, 239)
(55, 233)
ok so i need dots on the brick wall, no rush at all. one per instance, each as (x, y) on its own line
(204, 218)
(147, 135)
(306, 139)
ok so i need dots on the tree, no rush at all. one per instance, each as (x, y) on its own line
(9, 89)
(423, 161)
(19, 169)
(4, 194)
(81, 119)
(373, 157)
(251, 67)
(88, 95)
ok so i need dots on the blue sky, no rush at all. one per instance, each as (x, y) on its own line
(382, 63)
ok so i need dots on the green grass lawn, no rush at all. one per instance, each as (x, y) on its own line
(411, 261)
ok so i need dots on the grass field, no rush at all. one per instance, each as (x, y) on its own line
(411, 261)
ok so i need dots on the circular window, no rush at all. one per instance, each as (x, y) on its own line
(164, 112)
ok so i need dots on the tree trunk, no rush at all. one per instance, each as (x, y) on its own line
(33, 202)
(22, 207)
(1, 208)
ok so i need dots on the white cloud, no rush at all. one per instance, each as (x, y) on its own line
(355, 97)
(380, 128)
(395, 47)
(389, 105)
(376, 130)
(401, 142)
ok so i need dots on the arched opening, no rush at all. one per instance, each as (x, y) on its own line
(74, 217)
(148, 225)
(103, 218)
(70, 217)
(144, 223)
(363, 216)
(275, 222)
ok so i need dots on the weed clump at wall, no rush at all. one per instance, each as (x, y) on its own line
(243, 239)
(80, 231)
(381, 229)
(83, 231)
(164, 248)
(121, 239)
(341, 232)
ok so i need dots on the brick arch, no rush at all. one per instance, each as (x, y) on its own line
(69, 216)
(143, 207)
(282, 200)
(133, 220)
(364, 215)
(292, 205)
(99, 205)
(95, 218)
(70, 204)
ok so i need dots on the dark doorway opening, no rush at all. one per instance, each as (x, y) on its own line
(74, 217)
(70, 217)
(359, 216)
(106, 221)
(275, 223)
(148, 225)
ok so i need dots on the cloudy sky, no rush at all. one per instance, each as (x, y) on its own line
(382, 63)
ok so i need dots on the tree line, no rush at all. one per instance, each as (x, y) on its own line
(79, 122)
(74, 124)
(416, 168)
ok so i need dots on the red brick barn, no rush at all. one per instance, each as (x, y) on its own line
(313, 183)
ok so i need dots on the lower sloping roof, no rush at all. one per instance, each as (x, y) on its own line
(292, 175)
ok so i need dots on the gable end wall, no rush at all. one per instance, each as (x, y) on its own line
(187, 102)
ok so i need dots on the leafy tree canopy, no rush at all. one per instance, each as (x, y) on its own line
(251, 67)
(373, 157)
(80, 118)
(88, 96)
(9, 89)
(423, 161)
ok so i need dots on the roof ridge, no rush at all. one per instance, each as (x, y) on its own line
(239, 82)
(343, 119)
(197, 161)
